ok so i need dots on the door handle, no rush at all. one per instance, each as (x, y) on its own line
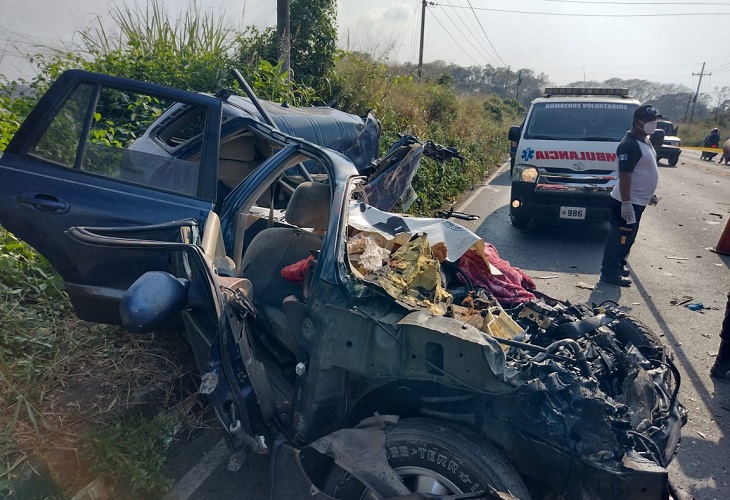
(43, 203)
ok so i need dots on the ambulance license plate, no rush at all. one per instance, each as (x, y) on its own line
(573, 213)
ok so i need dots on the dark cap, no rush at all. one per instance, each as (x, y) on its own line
(646, 111)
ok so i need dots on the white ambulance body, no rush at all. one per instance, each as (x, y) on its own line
(565, 161)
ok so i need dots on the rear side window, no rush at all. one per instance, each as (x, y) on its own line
(103, 131)
(578, 121)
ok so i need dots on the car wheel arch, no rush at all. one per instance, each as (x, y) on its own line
(440, 443)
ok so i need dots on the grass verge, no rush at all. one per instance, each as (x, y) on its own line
(70, 391)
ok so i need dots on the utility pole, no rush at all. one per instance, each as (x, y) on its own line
(283, 35)
(519, 81)
(686, 110)
(694, 101)
(506, 82)
(423, 28)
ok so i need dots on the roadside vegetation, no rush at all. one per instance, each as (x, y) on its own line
(66, 386)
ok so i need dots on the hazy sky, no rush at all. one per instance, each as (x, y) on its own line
(569, 40)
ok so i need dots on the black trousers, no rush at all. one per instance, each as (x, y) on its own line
(620, 239)
(725, 331)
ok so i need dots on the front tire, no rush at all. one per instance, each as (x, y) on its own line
(433, 457)
(673, 160)
(630, 330)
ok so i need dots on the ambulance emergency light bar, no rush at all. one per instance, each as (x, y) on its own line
(572, 91)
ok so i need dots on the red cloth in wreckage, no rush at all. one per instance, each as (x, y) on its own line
(512, 287)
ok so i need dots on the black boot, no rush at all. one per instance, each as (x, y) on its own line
(721, 368)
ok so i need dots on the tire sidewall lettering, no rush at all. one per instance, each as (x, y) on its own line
(443, 461)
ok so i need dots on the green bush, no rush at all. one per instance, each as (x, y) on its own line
(25, 274)
(429, 110)
(14, 107)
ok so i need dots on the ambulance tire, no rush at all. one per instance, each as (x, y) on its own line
(519, 221)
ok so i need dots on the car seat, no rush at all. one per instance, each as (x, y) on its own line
(275, 248)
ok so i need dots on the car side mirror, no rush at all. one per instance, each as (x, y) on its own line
(657, 138)
(154, 299)
(676, 130)
(514, 133)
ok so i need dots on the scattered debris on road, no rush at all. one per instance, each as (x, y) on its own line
(583, 284)
(681, 301)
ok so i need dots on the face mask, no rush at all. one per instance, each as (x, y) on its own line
(649, 127)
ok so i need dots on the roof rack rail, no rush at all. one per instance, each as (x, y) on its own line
(575, 91)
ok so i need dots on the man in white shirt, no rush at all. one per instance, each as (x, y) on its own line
(638, 177)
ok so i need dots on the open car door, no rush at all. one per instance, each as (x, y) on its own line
(74, 162)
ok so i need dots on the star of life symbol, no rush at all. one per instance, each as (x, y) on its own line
(527, 154)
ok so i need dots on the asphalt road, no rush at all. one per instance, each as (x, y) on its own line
(670, 261)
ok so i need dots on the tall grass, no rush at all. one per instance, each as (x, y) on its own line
(694, 134)
(192, 51)
(151, 29)
(428, 110)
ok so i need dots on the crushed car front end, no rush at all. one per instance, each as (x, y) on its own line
(612, 410)
(582, 399)
(584, 404)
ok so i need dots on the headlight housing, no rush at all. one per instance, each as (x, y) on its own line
(524, 173)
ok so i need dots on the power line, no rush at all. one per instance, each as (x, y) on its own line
(468, 39)
(414, 40)
(725, 58)
(455, 41)
(392, 31)
(485, 33)
(694, 101)
(467, 20)
(724, 4)
(593, 68)
(482, 50)
(592, 15)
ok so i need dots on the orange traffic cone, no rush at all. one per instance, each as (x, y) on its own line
(723, 246)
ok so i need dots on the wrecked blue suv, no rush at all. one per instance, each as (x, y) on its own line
(345, 341)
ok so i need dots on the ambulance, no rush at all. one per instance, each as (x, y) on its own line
(565, 161)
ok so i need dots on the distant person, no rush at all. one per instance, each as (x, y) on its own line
(721, 368)
(638, 177)
(713, 138)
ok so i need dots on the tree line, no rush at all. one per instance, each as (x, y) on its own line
(524, 85)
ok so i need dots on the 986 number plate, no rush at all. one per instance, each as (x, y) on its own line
(573, 213)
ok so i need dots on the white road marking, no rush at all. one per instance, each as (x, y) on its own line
(481, 188)
(196, 476)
